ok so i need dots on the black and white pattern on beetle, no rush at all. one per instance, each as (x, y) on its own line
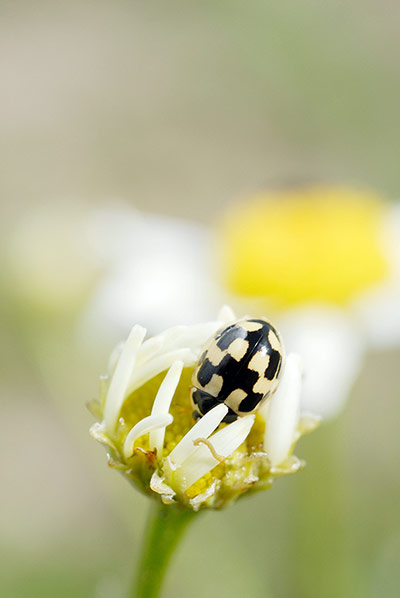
(240, 367)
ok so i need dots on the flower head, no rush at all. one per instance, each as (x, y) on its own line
(305, 244)
(324, 260)
(147, 425)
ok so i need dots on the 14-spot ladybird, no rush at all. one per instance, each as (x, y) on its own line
(240, 366)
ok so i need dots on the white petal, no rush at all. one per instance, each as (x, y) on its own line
(194, 336)
(198, 334)
(202, 429)
(120, 379)
(166, 341)
(162, 403)
(283, 412)
(378, 312)
(224, 443)
(331, 348)
(379, 308)
(159, 364)
(391, 238)
(150, 348)
(153, 261)
(146, 425)
(188, 339)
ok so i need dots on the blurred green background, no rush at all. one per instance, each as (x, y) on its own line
(178, 107)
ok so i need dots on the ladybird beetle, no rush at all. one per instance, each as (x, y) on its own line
(240, 366)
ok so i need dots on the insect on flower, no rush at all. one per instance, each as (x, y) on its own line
(237, 376)
(328, 265)
(240, 366)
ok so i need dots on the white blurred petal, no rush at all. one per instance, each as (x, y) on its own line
(159, 273)
(283, 410)
(331, 348)
(379, 309)
(378, 312)
(391, 239)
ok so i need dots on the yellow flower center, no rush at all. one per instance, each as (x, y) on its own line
(310, 244)
(138, 406)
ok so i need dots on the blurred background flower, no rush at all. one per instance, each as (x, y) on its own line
(178, 110)
(324, 261)
(153, 261)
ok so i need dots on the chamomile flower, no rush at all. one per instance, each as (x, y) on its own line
(147, 425)
(326, 262)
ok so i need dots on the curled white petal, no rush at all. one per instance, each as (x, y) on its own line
(224, 443)
(193, 336)
(120, 379)
(283, 412)
(146, 425)
(159, 364)
(162, 403)
(202, 429)
(150, 348)
(162, 343)
(197, 335)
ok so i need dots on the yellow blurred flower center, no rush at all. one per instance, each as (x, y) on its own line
(314, 244)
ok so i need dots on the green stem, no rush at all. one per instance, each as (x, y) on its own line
(165, 527)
